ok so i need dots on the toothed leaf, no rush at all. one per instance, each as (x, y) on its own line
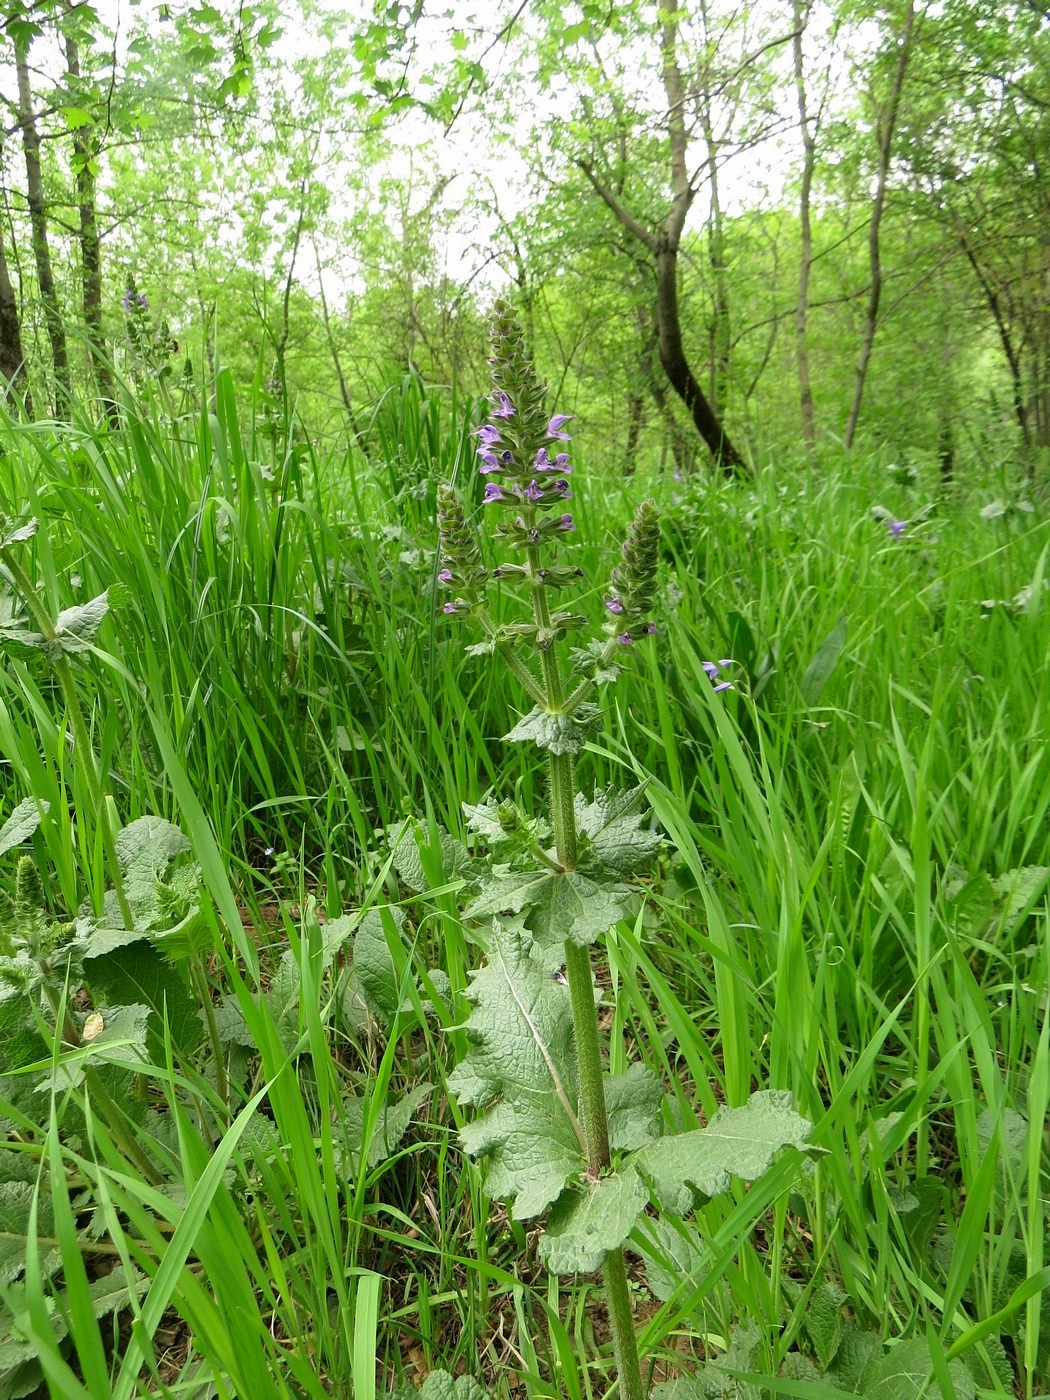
(558, 733)
(738, 1142)
(586, 1224)
(521, 1071)
(613, 827)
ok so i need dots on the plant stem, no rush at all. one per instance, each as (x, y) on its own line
(584, 1020)
(625, 1343)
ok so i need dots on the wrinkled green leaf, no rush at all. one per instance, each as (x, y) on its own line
(75, 627)
(439, 1385)
(738, 1142)
(614, 827)
(11, 532)
(521, 1070)
(405, 841)
(392, 1126)
(558, 733)
(374, 969)
(825, 1322)
(906, 1373)
(585, 1225)
(16, 1198)
(673, 1255)
(563, 906)
(21, 824)
(632, 1101)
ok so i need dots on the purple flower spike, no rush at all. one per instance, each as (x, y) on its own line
(492, 493)
(506, 408)
(445, 576)
(554, 427)
(567, 523)
(614, 605)
(532, 492)
(625, 639)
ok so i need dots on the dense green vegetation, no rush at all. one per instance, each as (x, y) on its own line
(250, 746)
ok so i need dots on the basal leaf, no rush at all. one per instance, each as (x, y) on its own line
(819, 671)
(906, 1373)
(738, 1142)
(673, 1255)
(374, 970)
(586, 1224)
(148, 845)
(405, 840)
(11, 532)
(21, 824)
(558, 733)
(16, 1197)
(521, 1071)
(392, 1127)
(439, 1385)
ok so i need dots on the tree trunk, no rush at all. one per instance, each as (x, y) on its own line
(805, 391)
(12, 358)
(885, 129)
(84, 152)
(676, 366)
(38, 223)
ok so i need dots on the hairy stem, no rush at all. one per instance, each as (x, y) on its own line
(585, 1025)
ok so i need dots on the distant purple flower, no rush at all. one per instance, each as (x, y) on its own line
(566, 523)
(450, 608)
(445, 576)
(133, 300)
(625, 639)
(506, 408)
(712, 670)
(614, 605)
(554, 427)
(896, 528)
(492, 493)
(532, 492)
(678, 476)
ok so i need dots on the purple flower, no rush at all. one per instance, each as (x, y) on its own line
(712, 669)
(133, 300)
(650, 629)
(506, 408)
(562, 462)
(566, 523)
(532, 492)
(561, 488)
(489, 463)
(488, 434)
(896, 528)
(445, 576)
(614, 605)
(450, 608)
(554, 427)
(625, 639)
(492, 493)
(543, 463)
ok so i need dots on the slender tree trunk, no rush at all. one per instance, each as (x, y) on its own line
(664, 250)
(800, 19)
(38, 223)
(12, 358)
(85, 150)
(885, 127)
(333, 350)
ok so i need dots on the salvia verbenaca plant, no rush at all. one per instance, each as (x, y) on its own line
(559, 1134)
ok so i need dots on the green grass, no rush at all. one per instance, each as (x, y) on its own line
(852, 906)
